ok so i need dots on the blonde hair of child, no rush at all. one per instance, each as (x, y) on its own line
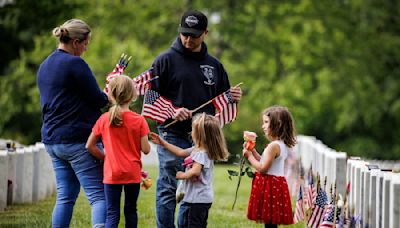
(121, 91)
(72, 29)
(281, 124)
(207, 134)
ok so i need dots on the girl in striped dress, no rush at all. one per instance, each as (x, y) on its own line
(269, 201)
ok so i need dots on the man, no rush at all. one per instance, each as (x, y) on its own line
(188, 77)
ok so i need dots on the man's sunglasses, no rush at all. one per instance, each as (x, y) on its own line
(191, 35)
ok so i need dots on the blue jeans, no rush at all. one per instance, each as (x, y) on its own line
(113, 199)
(193, 215)
(75, 166)
(169, 164)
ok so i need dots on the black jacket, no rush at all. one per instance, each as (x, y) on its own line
(188, 79)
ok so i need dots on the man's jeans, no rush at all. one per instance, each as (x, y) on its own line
(75, 166)
(169, 164)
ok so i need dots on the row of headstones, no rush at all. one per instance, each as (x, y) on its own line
(374, 195)
(323, 161)
(26, 175)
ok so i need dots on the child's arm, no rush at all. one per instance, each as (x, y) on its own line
(256, 154)
(192, 172)
(172, 148)
(144, 144)
(262, 166)
(92, 147)
(253, 151)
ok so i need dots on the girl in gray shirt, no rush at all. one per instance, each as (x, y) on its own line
(209, 145)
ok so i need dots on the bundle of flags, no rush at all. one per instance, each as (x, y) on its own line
(159, 108)
(313, 208)
(118, 70)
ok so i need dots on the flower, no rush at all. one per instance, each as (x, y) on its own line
(250, 139)
(146, 180)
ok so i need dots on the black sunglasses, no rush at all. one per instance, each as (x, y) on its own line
(191, 35)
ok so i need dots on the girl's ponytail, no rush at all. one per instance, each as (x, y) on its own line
(115, 115)
(121, 91)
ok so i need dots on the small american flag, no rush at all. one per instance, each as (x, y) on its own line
(299, 213)
(141, 81)
(156, 107)
(327, 221)
(310, 191)
(318, 209)
(226, 107)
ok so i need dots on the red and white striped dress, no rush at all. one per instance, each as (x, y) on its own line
(269, 201)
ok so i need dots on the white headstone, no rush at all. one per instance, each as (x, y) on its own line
(18, 198)
(394, 205)
(3, 179)
(366, 207)
(372, 198)
(36, 173)
(386, 199)
(28, 172)
(12, 176)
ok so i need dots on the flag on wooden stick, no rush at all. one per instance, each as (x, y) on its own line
(318, 209)
(299, 213)
(328, 219)
(157, 107)
(226, 108)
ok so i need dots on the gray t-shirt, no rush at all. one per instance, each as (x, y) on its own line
(199, 189)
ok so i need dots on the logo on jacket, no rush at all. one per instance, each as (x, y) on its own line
(208, 72)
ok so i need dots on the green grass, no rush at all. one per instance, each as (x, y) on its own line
(221, 213)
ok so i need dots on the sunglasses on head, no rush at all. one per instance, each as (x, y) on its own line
(191, 35)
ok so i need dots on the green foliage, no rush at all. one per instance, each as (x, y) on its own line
(334, 64)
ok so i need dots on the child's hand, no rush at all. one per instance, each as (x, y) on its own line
(180, 175)
(246, 152)
(156, 138)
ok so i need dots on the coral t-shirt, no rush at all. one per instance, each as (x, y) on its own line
(122, 164)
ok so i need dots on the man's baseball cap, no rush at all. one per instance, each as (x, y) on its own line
(194, 22)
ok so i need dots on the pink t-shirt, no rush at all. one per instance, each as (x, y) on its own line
(122, 164)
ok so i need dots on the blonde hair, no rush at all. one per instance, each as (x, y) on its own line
(72, 29)
(122, 91)
(281, 124)
(207, 134)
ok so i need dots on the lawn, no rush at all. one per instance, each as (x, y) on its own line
(221, 213)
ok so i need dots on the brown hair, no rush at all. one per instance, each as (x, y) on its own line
(208, 134)
(281, 124)
(72, 29)
(122, 91)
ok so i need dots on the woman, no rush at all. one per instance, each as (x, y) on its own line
(70, 101)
